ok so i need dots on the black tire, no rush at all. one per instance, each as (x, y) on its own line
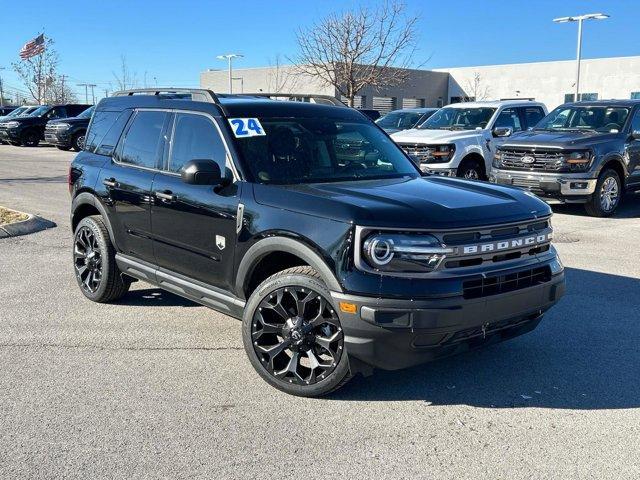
(77, 142)
(264, 323)
(60, 147)
(471, 169)
(30, 138)
(608, 186)
(93, 250)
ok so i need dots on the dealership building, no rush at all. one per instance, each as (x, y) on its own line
(552, 83)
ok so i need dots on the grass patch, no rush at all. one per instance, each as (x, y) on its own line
(11, 216)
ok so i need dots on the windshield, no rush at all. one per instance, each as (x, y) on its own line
(314, 150)
(585, 118)
(86, 113)
(459, 119)
(38, 112)
(16, 112)
(27, 111)
(401, 120)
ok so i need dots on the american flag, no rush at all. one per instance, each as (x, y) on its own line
(33, 47)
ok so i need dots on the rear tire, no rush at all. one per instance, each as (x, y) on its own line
(97, 273)
(607, 196)
(77, 142)
(293, 336)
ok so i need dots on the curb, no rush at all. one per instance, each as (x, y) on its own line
(30, 225)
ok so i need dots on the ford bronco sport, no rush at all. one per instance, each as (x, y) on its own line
(585, 152)
(308, 223)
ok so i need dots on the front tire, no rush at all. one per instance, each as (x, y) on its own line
(607, 196)
(94, 263)
(471, 170)
(30, 138)
(77, 142)
(293, 336)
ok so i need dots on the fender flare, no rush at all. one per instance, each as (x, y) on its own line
(88, 198)
(617, 159)
(283, 244)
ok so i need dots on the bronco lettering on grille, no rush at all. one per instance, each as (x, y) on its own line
(515, 243)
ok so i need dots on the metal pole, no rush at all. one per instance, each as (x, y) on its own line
(1, 91)
(230, 76)
(578, 55)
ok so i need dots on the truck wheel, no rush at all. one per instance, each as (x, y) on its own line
(94, 262)
(77, 142)
(606, 198)
(293, 336)
(471, 170)
(30, 139)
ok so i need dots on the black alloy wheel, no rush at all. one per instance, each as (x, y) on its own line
(293, 334)
(77, 142)
(87, 260)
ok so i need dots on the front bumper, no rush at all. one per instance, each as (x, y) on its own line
(10, 134)
(563, 187)
(61, 139)
(398, 333)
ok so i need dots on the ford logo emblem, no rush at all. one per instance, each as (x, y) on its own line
(528, 160)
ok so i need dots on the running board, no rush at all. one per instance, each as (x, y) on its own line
(181, 285)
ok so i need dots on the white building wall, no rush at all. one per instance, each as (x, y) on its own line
(548, 82)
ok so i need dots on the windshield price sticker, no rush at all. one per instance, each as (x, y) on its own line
(246, 127)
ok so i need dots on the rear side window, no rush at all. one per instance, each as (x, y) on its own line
(532, 116)
(509, 118)
(104, 131)
(195, 137)
(141, 145)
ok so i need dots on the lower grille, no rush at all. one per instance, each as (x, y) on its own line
(496, 285)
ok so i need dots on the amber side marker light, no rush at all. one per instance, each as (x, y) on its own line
(348, 307)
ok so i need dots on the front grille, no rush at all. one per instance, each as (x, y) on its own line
(495, 285)
(419, 150)
(544, 160)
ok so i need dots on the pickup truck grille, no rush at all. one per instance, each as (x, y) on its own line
(543, 160)
(495, 285)
(418, 150)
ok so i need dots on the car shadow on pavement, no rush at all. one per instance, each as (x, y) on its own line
(56, 179)
(154, 297)
(584, 355)
(629, 208)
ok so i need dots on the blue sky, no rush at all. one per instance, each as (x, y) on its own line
(174, 41)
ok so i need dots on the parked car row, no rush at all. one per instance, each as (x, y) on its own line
(62, 125)
(582, 152)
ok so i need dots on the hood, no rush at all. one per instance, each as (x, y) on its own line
(424, 135)
(71, 121)
(390, 130)
(28, 120)
(559, 139)
(423, 202)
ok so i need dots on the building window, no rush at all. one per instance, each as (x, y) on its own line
(358, 101)
(413, 102)
(568, 97)
(635, 95)
(462, 99)
(440, 103)
(384, 104)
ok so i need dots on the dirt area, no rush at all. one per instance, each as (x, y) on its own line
(10, 216)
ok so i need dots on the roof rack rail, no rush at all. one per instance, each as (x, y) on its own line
(298, 97)
(530, 99)
(197, 94)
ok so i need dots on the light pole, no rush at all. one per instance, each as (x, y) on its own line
(580, 19)
(229, 57)
(1, 91)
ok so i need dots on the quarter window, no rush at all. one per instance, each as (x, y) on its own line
(142, 141)
(195, 137)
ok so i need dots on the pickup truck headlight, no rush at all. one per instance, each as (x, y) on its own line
(403, 253)
(497, 159)
(579, 160)
(12, 124)
(438, 154)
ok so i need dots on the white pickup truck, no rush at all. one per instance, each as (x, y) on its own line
(459, 140)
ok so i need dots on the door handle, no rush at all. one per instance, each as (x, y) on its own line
(167, 196)
(110, 182)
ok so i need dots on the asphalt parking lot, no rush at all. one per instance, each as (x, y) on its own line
(157, 386)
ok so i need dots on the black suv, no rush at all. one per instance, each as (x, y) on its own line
(584, 152)
(309, 223)
(68, 133)
(29, 131)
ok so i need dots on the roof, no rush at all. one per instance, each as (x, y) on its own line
(494, 104)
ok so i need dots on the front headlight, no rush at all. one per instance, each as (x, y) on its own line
(579, 160)
(497, 159)
(61, 126)
(403, 253)
(439, 154)
(12, 124)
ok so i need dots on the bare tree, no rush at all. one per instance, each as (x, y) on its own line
(475, 89)
(279, 79)
(125, 78)
(359, 48)
(39, 72)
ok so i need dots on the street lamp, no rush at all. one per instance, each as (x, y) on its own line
(229, 57)
(580, 19)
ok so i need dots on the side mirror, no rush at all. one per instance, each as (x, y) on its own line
(502, 132)
(201, 172)
(635, 134)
